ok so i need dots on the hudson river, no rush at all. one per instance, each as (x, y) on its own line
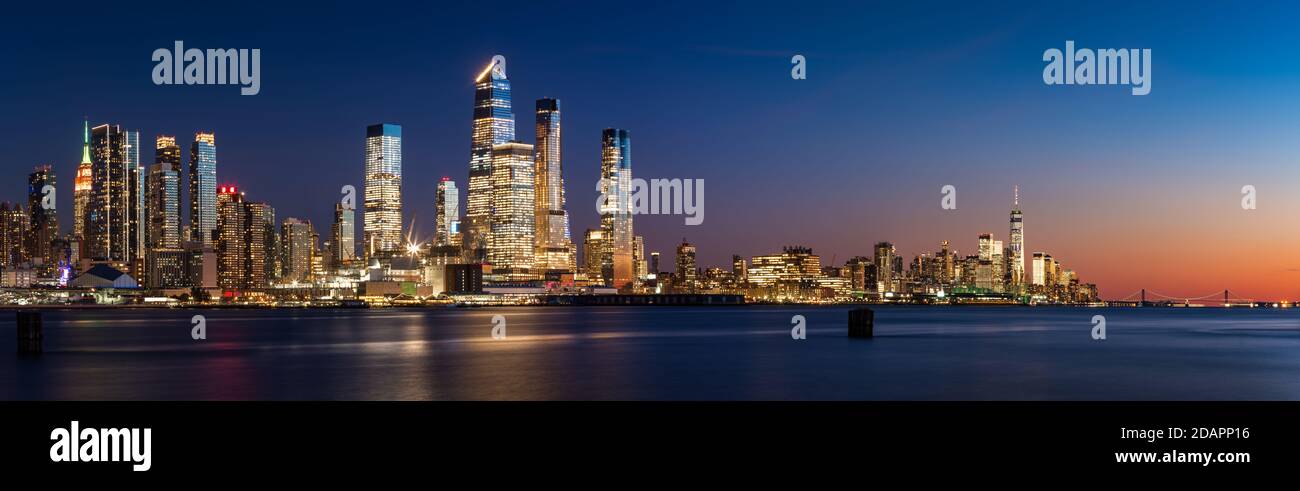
(658, 353)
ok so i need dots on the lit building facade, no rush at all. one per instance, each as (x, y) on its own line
(593, 253)
(135, 209)
(298, 245)
(447, 214)
(343, 233)
(44, 220)
(382, 232)
(616, 207)
(686, 279)
(108, 215)
(245, 242)
(884, 262)
(494, 124)
(510, 239)
(82, 185)
(13, 234)
(203, 188)
(555, 252)
(1039, 271)
(162, 207)
(1016, 254)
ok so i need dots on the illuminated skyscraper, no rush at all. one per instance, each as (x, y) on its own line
(555, 251)
(447, 214)
(987, 269)
(135, 209)
(1016, 255)
(494, 124)
(298, 245)
(14, 225)
(167, 151)
(510, 240)
(232, 248)
(999, 267)
(162, 205)
(382, 233)
(884, 261)
(203, 188)
(108, 215)
(946, 264)
(343, 235)
(640, 267)
(262, 245)
(616, 207)
(593, 252)
(44, 220)
(1040, 273)
(82, 185)
(685, 280)
(245, 241)
(740, 270)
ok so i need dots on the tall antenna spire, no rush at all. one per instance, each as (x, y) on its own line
(85, 144)
(1016, 201)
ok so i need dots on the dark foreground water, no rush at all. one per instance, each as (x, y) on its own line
(963, 353)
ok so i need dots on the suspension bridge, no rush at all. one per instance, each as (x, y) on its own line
(1149, 298)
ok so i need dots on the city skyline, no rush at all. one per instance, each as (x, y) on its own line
(1109, 206)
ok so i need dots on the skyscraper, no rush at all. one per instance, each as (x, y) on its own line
(343, 235)
(884, 261)
(13, 232)
(82, 184)
(263, 242)
(1016, 254)
(203, 188)
(44, 220)
(135, 214)
(245, 241)
(593, 253)
(494, 124)
(510, 239)
(640, 267)
(946, 264)
(232, 248)
(297, 246)
(685, 280)
(555, 251)
(447, 214)
(382, 233)
(616, 207)
(162, 205)
(108, 215)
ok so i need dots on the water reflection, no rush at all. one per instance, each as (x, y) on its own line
(659, 353)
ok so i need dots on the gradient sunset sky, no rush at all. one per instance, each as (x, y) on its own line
(1129, 191)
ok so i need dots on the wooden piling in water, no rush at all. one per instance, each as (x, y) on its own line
(861, 323)
(30, 332)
